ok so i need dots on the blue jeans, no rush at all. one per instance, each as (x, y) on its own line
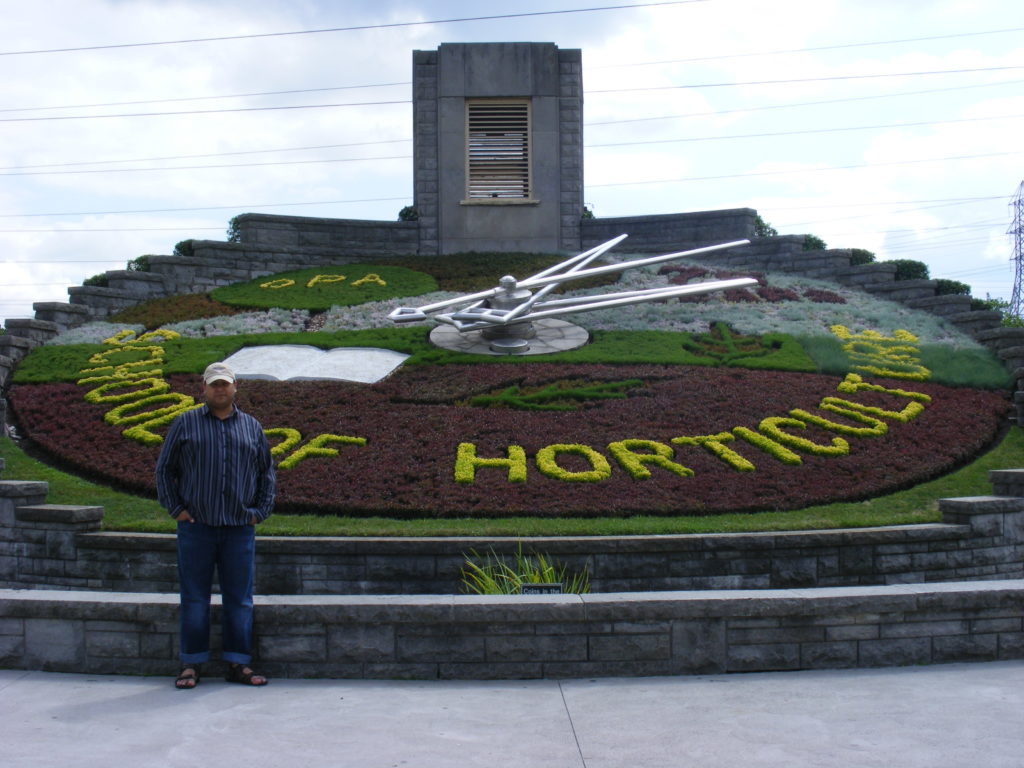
(231, 549)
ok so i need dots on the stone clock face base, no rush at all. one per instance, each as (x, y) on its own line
(552, 336)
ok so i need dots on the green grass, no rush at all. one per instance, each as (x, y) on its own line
(64, 362)
(953, 367)
(125, 512)
(320, 288)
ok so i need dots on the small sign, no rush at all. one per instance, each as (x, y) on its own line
(541, 589)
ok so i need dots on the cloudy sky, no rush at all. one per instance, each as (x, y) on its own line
(891, 126)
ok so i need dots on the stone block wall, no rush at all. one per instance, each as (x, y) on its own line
(552, 636)
(671, 232)
(428, 636)
(426, 163)
(982, 538)
(330, 237)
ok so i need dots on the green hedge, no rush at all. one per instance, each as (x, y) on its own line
(908, 269)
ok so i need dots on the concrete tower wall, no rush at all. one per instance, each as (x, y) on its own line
(550, 80)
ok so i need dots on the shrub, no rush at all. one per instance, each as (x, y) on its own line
(999, 305)
(814, 243)
(234, 234)
(588, 212)
(183, 248)
(763, 229)
(989, 303)
(100, 280)
(860, 256)
(139, 264)
(408, 213)
(952, 288)
(908, 269)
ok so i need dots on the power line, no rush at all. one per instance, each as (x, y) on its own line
(600, 67)
(808, 50)
(952, 201)
(804, 80)
(203, 208)
(988, 224)
(748, 54)
(233, 110)
(916, 232)
(809, 131)
(201, 167)
(936, 246)
(752, 174)
(886, 202)
(980, 271)
(212, 154)
(359, 28)
(937, 204)
(202, 111)
(201, 98)
(66, 261)
(803, 103)
(124, 229)
(587, 125)
(803, 132)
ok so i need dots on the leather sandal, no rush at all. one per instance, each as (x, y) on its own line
(188, 677)
(240, 673)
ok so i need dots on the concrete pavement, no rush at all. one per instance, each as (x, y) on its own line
(962, 716)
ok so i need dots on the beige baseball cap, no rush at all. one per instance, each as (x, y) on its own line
(218, 372)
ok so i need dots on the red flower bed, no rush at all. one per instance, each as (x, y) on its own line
(414, 421)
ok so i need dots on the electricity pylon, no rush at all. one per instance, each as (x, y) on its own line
(1017, 231)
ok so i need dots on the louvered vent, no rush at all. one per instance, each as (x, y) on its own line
(498, 149)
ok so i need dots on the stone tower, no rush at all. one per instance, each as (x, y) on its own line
(498, 150)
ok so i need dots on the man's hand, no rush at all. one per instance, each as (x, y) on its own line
(184, 517)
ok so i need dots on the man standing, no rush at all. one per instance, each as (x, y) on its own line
(216, 478)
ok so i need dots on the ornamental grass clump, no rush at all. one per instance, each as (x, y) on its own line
(91, 333)
(496, 575)
(274, 320)
(374, 314)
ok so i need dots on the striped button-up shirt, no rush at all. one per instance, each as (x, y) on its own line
(219, 470)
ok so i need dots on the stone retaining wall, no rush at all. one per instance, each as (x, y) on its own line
(306, 234)
(553, 636)
(982, 538)
(670, 232)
